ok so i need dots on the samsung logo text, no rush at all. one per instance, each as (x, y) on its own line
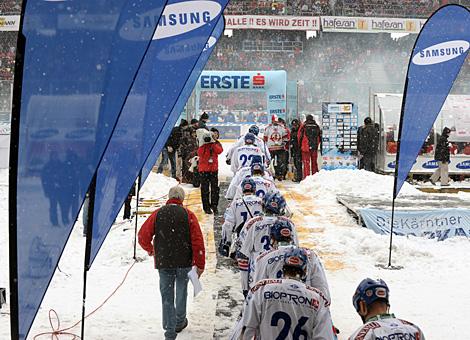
(441, 52)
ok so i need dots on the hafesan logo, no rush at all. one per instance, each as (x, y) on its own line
(441, 52)
(186, 16)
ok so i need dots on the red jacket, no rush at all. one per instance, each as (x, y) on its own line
(147, 231)
(206, 152)
(303, 139)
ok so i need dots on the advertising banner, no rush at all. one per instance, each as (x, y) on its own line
(169, 63)
(182, 100)
(437, 57)
(273, 83)
(371, 25)
(438, 224)
(9, 23)
(70, 101)
(339, 126)
(271, 22)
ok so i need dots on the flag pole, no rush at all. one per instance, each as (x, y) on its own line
(13, 178)
(89, 236)
(139, 182)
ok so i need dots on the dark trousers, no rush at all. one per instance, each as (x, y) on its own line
(297, 157)
(127, 208)
(209, 189)
(280, 159)
(367, 162)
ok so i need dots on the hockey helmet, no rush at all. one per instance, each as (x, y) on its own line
(281, 231)
(250, 138)
(254, 130)
(369, 291)
(274, 203)
(257, 168)
(296, 258)
(248, 185)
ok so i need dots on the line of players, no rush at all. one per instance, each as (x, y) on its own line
(285, 287)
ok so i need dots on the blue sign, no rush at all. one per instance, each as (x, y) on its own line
(436, 59)
(273, 83)
(438, 224)
(463, 165)
(168, 66)
(183, 98)
(80, 60)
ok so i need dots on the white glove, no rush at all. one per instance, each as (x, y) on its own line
(170, 149)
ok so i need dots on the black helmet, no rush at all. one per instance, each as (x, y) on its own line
(367, 120)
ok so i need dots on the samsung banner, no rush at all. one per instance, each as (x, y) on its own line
(72, 89)
(169, 65)
(273, 83)
(434, 224)
(182, 99)
(438, 55)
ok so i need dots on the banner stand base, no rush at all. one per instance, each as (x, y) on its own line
(383, 266)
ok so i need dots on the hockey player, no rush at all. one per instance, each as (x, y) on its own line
(371, 301)
(242, 209)
(269, 265)
(263, 186)
(258, 142)
(276, 137)
(243, 155)
(241, 174)
(255, 235)
(286, 308)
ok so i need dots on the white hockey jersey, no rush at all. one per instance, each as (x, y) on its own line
(276, 136)
(238, 178)
(285, 309)
(254, 239)
(387, 326)
(239, 211)
(269, 265)
(263, 187)
(258, 142)
(243, 156)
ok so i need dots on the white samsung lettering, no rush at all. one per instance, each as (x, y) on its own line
(186, 16)
(441, 52)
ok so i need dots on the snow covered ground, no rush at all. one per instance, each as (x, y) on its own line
(430, 290)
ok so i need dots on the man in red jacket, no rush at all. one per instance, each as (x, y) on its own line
(177, 245)
(208, 168)
(309, 136)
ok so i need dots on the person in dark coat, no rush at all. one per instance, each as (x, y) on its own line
(295, 150)
(309, 138)
(188, 150)
(127, 203)
(208, 167)
(367, 144)
(172, 235)
(171, 146)
(442, 156)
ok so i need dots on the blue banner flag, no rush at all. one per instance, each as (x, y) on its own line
(183, 33)
(438, 55)
(80, 59)
(183, 98)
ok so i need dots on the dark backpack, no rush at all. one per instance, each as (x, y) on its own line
(312, 132)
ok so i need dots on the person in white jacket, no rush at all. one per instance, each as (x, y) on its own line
(258, 142)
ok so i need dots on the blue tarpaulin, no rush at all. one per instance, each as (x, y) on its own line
(438, 55)
(80, 59)
(170, 62)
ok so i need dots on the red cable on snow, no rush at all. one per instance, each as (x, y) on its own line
(56, 331)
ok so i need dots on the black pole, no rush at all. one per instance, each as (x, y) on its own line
(89, 235)
(139, 182)
(13, 179)
(391, 234)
